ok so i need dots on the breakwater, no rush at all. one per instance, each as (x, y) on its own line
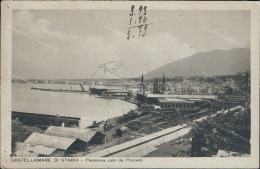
(60, 90)
(44, 120)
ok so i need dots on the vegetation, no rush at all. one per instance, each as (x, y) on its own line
(21, 132)
(227, 131)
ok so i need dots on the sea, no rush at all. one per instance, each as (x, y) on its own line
(83, 105)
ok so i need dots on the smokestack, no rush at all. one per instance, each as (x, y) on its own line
(143, 93)
(142, 80)
(156, 85)
(153, 87)
(163, 83)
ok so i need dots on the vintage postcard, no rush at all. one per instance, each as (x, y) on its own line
(129, 84)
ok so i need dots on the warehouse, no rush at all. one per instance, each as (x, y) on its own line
(46, 145)
(86, 135)
(31, 150)
(117, 94)
(171, 103)
(183, 102)
(152, 98)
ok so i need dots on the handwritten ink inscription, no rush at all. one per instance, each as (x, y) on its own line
(138, 24)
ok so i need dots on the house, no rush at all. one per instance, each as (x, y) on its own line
(122, 131)
(86, 135)
(105, 126)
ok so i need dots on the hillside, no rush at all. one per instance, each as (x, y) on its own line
(216, 62)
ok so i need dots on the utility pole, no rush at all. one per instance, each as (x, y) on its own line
(143, 93)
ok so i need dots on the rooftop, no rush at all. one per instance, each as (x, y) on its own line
(75, 133)
(173, 100)
(123, 128)
(30, 150)
(118, 91)
(182, 96)
(49, 141)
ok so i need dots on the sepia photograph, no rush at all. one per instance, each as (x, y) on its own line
(134, 82)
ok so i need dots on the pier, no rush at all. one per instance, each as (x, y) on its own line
(60, 90)
(44, 120)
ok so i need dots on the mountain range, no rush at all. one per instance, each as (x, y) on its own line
(215, 62)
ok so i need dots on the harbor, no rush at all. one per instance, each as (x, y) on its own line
(132, 120)
(130, 85)
(67, 104)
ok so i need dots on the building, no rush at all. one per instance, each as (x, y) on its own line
(122, 131)
(197, 99)
(100, 90)
(181, 96)
(232, 101)
(171, 103)
(32, 150)
(97, 90)
(183, 102)
(111, 94)
(47, 145)
(86, 135)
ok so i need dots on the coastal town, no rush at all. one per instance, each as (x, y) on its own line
(173, 117)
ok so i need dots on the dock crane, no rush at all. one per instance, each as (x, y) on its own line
(82, 88)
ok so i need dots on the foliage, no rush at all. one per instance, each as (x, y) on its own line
(230, 131)
(21, 132)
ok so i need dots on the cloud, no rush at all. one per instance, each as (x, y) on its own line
(121, 34)
(144, 54)
(82, 55)
(38, 30)
(228, 39)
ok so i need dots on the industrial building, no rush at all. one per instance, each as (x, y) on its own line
(37, 145)
(32, 150)
(170, 103)
(111, 94)
(86, 135)
(99, 90)
(182, 102)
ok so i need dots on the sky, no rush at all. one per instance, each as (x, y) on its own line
(74, 44)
